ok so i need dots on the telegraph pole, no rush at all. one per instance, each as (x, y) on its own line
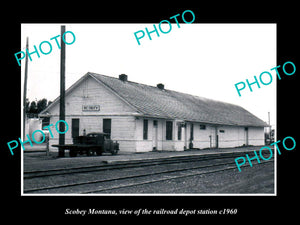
(270, 130)
(25, 91)
(61, 151)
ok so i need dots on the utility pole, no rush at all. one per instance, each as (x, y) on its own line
(25, 91)
(61, 151)
(270, 130)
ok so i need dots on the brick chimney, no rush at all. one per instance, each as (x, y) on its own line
(160, 86)
(123, 77)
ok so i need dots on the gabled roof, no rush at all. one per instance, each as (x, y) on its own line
(151, 101)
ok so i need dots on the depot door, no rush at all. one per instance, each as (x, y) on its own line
(246, 136)
(214, 139)
(154, 135)
(107, 126)
(75, 128)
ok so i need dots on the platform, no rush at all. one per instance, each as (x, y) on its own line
(40, 161)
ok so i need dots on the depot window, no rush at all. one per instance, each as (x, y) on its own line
(169, 130)
(145, 130)
(192, 132)
(202, 127)
(179, 132)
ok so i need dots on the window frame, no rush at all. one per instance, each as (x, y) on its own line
(145, 129)
(169, 130)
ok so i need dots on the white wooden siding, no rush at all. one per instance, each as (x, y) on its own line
(127, 124)
(90, 92)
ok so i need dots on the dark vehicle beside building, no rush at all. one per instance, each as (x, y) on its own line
(91, 144)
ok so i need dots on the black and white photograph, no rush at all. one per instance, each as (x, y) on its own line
(188, 112)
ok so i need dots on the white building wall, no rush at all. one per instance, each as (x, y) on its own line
(141, 144)
(234, 136)
(231, 136)
(127, 126)
(90, 92)
(128, 131)
(203, 138)
(256, 136)
(31, 125)
(161, 143)
(122, 129)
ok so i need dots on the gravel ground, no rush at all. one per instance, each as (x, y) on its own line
(258, 179)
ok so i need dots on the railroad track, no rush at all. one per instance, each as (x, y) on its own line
(190, 174)
(128, 164)
(209, 164)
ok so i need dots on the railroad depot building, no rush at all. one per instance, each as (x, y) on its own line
(144, 118)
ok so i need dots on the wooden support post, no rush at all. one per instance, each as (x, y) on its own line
(61, 152)
(25, 91)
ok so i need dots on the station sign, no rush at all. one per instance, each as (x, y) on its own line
(90, 108)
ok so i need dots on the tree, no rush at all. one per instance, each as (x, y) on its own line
(36, 107)
(41, 105)
(49, 103)
(33, 107)
(27, 105)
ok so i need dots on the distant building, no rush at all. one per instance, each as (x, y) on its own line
(32, 124)
(144, 118)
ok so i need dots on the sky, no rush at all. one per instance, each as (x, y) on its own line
(205, 60)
